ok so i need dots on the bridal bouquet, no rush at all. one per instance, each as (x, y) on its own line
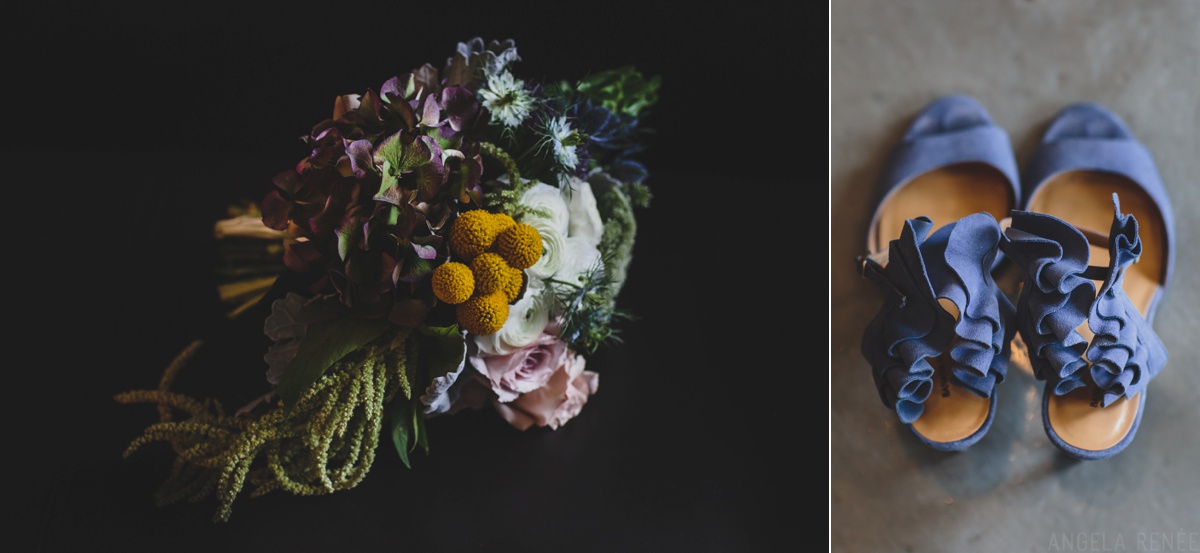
(454, 240)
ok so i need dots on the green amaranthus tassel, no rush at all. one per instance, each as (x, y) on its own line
(620, 229)
(505, 197)
(326, 444)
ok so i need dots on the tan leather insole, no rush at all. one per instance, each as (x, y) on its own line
(951, 412)
(944, 195)
(1084, 199)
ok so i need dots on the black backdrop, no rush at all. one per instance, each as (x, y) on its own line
(129, 129)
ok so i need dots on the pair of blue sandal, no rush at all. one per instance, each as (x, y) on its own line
(1090, 229)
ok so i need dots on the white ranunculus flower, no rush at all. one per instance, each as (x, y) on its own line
(585, 221)
(551, 218)
(526, 320)
(579, 257)
(548, 201)
(553, 246)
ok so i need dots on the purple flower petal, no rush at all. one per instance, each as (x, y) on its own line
(361, 160)
(424, 252)
(461, 106)
(431, 112)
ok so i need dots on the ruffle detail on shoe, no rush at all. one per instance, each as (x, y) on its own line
(1055, 298)
(966, 252)
(1125, 352)
(1059, 295)
(911, 327)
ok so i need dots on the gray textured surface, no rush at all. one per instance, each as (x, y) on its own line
(1013, 491)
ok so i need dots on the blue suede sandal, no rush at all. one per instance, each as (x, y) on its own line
(940, 342)
(1095, 248)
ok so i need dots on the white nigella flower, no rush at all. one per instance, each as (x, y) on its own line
(506, 98)
(564, 139)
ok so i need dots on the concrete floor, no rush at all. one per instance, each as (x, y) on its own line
(1013, 491)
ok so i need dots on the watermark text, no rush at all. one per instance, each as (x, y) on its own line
(1115, 541)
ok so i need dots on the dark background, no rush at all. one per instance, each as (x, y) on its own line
(129, 130)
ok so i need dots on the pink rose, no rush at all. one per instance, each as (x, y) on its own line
(560, 400)
(524, 370)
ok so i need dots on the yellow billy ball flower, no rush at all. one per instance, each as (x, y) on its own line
(502, 221)
(472, 233)
(453, 282)
(483, 314)
(520, 246)
(512, 286)
(491, 272)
